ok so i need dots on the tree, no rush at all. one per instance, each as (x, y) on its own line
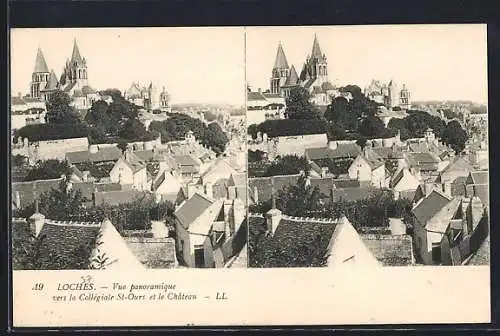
(455, 136)
(59, 110)
(253, 130)
(48, 169)
(122, 145)
(99, 117)
(372, 127)
(18, 160)
(339, 112)
(134, 130)
(299, 106)
(287, 165)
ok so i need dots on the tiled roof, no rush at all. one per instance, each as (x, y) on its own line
(390, 250)
(86, 188)
(271, 95)
(294, 243)
(352, 194)
(373, 159)
(192, 209)
(458, 186)
(185, 160)
(88, 90)
(15, 100)
(423, 157)
(26, 189)
(342, 151)
(102, 155)
(444, 215)
(429, 206)
(482, 191)
(255, 96)
(219, 189)
(117, 197)
(326, 86)
(153, 252)
(69, 87)
(108, 186)
(64, 245)
(238, 179)
(326, 184)
(134, 162)
(482, 256)
(479, 177)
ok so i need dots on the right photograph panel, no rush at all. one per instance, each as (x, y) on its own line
(367, 146)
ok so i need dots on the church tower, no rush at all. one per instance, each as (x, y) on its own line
(280, 71)
(316, 66)
(318, 62)
(40, 76)
(75, 71)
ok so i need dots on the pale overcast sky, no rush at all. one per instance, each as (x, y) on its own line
(441, 62)
(199, 65)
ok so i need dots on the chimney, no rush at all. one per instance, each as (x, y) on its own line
(428, 187)
(209, 191)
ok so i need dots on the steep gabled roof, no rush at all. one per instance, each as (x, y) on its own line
(52, 84)
(40, 64)
(347, 248)
(192, 209)
(429, 206)
(293, 78)
(280, 62)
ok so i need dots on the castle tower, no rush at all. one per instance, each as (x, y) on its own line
(75, 71)
(280, 70)
(405, 98)
(164, 100)
(40, 76)
(393, 95)
(154, 97)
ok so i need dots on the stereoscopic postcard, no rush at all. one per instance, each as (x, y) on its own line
(249, 176)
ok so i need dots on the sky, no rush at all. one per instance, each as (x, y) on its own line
(437, 62)
(196, 65)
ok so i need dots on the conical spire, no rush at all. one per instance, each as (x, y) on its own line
(75, 56)
(52, 83)
(292, 78)
(280, 62)
(316, 50)
(40, 64)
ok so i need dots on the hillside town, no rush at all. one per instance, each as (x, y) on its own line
(351, 176)
(106, 178)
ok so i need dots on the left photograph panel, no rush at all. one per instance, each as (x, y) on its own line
(128, 148)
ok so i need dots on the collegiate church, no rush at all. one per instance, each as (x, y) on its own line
(313, 76)
(73, 81)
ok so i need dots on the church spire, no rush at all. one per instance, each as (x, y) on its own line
(316, 50)
(75, 56)
(40, 64)
(280, 62)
